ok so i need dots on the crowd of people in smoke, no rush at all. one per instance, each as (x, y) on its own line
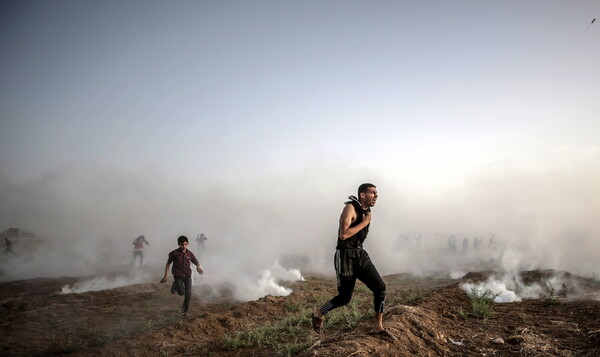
(477, 244)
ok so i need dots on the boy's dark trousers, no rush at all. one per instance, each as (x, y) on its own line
(183, 286)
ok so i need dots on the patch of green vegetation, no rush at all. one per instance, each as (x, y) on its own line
(361, 288)
(463, 314)
(291, 334)
(294, 306)
(408, 297)
(287, 336)
(552, 298)
(481, 303)
(349, 316)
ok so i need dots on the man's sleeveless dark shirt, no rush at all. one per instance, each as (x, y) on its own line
(356, 241)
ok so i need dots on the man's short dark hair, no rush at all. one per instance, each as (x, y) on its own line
(182, 239)
(364, 187)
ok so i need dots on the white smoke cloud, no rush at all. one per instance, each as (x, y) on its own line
(498, 289)
(243, 286)
(104, 283)
(267, 283)
(243, 283)
(512, 287)
(542, 217)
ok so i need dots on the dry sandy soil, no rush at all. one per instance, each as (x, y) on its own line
(429, 315)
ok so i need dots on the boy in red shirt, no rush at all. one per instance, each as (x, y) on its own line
(182, 273)
(138, 249)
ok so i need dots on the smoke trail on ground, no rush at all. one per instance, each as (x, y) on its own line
(105, 282)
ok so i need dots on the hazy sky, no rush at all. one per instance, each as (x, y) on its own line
(497, 101)
(227, 88)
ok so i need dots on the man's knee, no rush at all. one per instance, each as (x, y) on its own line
(345, 299)
(379, 290)
(342, 299)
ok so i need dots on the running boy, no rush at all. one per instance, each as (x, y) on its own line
(182, 273)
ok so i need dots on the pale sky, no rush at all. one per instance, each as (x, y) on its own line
(252, 121)
(237, 88)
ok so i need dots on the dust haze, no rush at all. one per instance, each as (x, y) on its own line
(266, 230)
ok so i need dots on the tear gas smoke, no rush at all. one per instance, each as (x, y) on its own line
(542, 218)
(105, 282)
(512, 287)
(498, 288)
(248, 287)
(245, 287)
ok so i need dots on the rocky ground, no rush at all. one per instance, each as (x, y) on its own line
(431, 316)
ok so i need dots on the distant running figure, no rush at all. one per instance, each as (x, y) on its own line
(182, 273)
(138, 249)
(352, 262)
(200, 239)
(9, 247)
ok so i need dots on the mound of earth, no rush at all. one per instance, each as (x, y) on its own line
(429, 315)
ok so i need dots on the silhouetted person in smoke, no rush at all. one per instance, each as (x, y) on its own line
(138, 249)
(352, 262)
(452, 243)
(403, 242)
(476, 243)
(182, 273)
(492, 243)
(201, 246)
(417, 241)
(9, 247)
(465, 245)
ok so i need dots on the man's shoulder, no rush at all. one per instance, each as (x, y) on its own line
(349, 209)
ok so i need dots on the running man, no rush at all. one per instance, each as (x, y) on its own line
(352, 262)
(182, 273)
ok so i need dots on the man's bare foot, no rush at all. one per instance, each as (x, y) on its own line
(317, 323)
(386, 334)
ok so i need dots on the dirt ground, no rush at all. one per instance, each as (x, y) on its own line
(429, 315)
